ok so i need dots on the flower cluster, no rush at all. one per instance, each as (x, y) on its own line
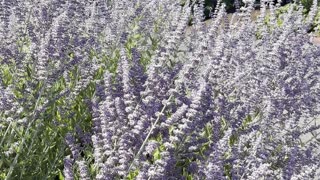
(127, 90)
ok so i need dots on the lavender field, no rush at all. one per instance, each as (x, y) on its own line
(148, 90)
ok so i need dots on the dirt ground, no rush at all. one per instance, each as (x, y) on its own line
(316, 40)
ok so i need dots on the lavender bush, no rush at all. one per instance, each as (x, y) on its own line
(94, 89)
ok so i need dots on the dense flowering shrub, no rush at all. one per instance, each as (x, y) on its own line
(94, 89)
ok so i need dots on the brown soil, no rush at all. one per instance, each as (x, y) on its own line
(316, 41)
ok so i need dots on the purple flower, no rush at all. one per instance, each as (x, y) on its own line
(68, 168)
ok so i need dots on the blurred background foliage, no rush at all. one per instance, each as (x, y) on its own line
(230, 7)
(209, 6)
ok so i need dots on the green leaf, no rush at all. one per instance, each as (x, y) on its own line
(132, 175)
(6, 75)
(227, 170)
(189, 177)
(156, 154)
(29, 71)
(61, 176)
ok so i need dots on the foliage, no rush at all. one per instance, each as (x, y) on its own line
(316, 24)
